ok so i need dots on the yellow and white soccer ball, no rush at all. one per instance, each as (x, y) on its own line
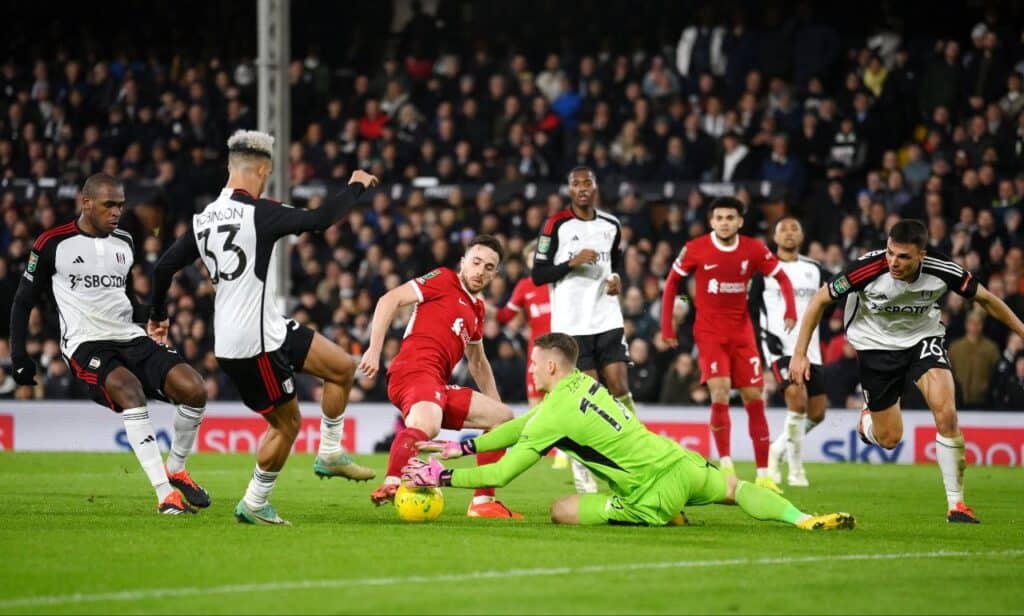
(419, 504)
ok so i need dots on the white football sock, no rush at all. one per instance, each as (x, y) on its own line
(330, 435)
(260, 486)
(762, 472)
(867, 425)
(186, 426)
(950, 454)
(583, 478)
(794, 431)
(483, 500)
(142, 438)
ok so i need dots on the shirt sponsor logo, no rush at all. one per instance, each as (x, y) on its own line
(96, 281)
(714, 287)
(900, 309)
(710, 266)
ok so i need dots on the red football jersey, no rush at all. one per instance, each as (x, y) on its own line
(535, 301)
(722, 274)
(446, 319)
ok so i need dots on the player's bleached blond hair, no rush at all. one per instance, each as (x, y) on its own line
(246, 144)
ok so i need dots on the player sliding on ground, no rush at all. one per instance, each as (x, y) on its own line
(86, 265)
(652, 478)
(447, 323)
(892, 319)
(258, 348)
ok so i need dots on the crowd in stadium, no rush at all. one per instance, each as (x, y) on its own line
(858, 137)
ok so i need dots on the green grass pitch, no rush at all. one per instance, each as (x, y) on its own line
(79, 534)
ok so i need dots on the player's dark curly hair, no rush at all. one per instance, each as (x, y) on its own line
(729, 203)
(488, 241)
(563, 343)
(909, 231)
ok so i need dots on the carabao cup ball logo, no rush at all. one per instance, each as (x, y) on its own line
(419, 504)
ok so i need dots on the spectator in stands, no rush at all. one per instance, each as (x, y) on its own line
(974, 358)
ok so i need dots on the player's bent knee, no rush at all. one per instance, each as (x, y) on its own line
(125, 389)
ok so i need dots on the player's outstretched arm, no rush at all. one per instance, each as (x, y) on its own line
(383, 315)
(23, 368)
(181, 253)
(419, 473)
(998, 309)
(480, 370)
(799, 365)
(501, 437)
(668, 304)
(279, 220)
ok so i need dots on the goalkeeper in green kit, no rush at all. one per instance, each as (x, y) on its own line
(652, 478)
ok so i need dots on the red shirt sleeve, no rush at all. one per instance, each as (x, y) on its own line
(431, 285)
(515, 303)
(766, 262)
(686, 262)
(481, 314)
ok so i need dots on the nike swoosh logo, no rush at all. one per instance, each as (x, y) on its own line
(20, 370)
(463, 302)
(707, 267)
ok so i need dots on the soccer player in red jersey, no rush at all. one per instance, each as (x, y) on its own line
(722, 263)
(447, 323)
(535, 302)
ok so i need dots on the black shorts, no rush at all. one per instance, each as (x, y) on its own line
(267, 381)
(600, 350)
(150, 362)
(884, 374)
(815, 386)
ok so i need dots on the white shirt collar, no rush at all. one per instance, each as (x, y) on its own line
(723, 247)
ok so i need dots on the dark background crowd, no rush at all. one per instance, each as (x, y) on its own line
(855, 116)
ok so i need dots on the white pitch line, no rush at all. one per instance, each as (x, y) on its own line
(161, 593)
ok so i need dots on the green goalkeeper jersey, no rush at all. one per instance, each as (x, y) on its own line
(581, 418)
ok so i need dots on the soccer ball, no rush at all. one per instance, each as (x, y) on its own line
(418, 504)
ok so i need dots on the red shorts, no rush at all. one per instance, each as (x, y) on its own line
(407, 388)
(734, 356)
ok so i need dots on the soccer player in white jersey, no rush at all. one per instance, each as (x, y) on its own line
(578, 254)
(86, 265)
(892, 319)
(806, 401)
(257, 347)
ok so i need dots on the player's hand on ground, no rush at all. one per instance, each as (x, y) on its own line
(23, 370)
(788, 324)
(614, 285)
(799, 369)
(583, 257)
(447, 449)
(420, 474)
(370, 362)
(364, 178)
(157, 330)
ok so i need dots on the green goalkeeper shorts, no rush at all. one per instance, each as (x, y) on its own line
(689, 481)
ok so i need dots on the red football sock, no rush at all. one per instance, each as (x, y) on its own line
(487, 457)
(403, 448)
(721, 427)
(758, 425)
